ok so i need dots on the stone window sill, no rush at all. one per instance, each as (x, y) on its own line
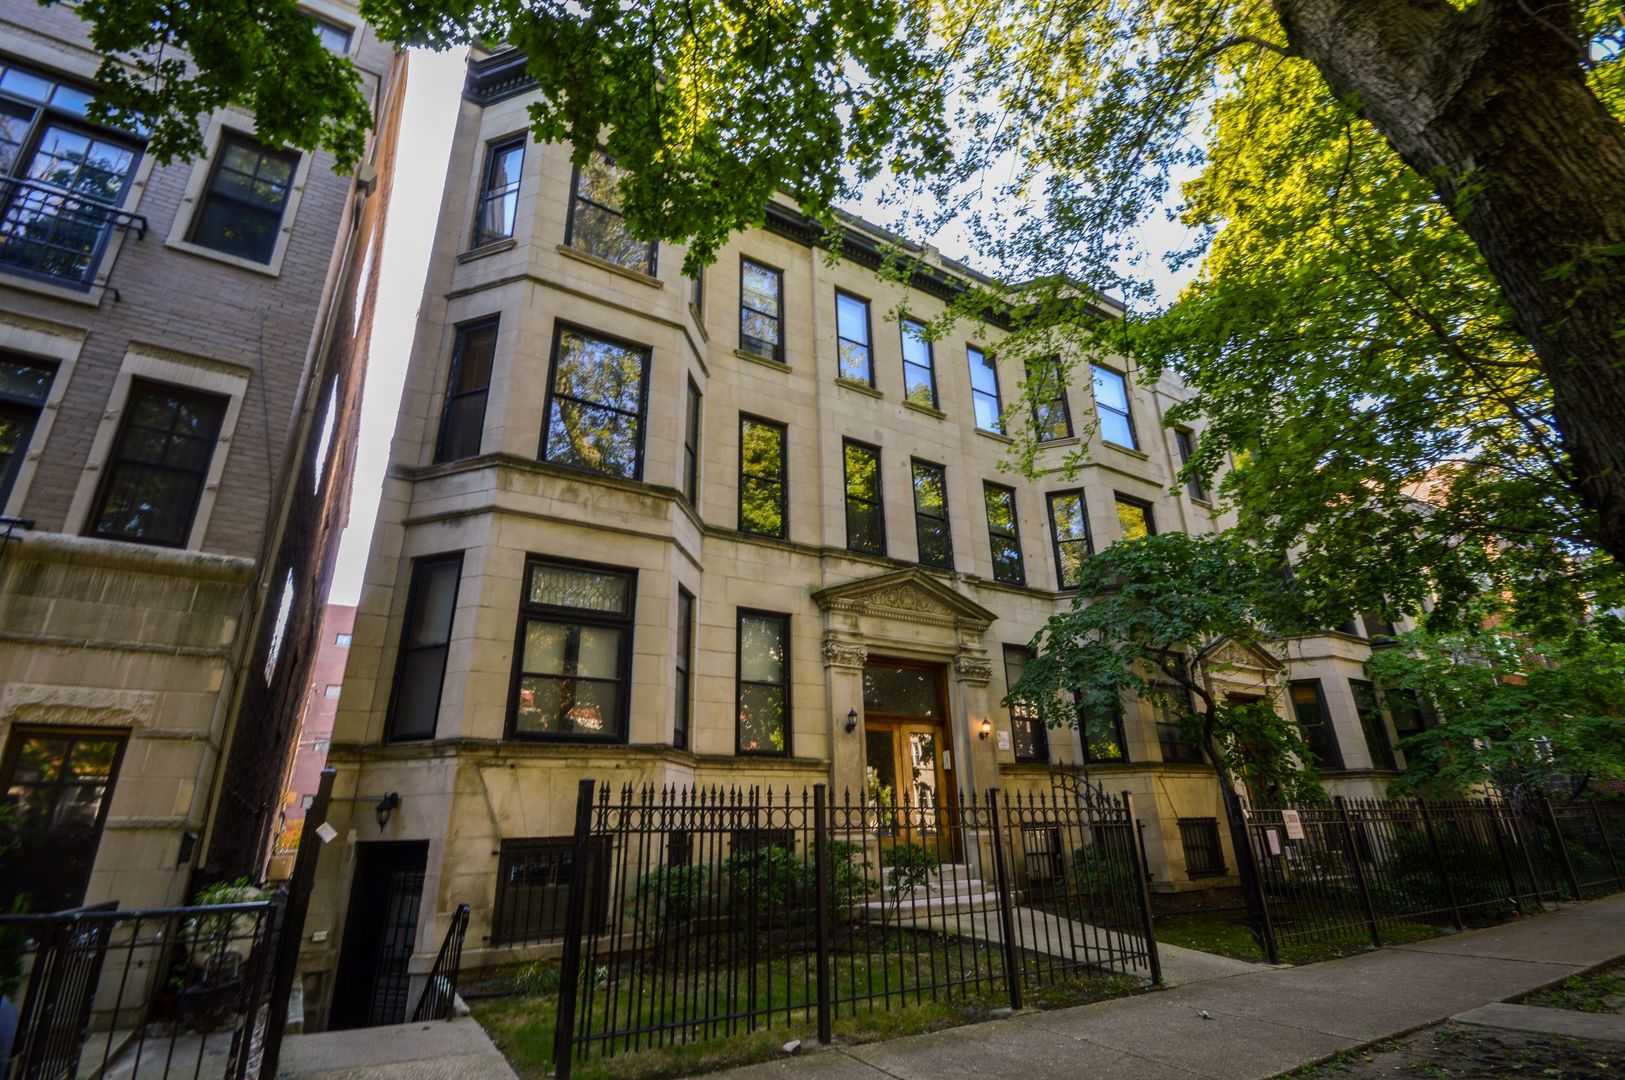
(860, 387)
(926, 409)
(495, 247)
(604, 264)
(767, 362)
(995, 436)
(272, 269)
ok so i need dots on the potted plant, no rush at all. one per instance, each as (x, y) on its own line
(216, 950)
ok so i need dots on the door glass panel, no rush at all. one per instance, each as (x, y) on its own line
(920, 749)
(880, 777)
(900, 691)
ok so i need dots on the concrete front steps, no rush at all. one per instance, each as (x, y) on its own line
(950, 889)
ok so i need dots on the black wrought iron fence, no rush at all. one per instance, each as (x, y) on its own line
(694, 914)
(157, 994)
(1385, 869)
(439, 997)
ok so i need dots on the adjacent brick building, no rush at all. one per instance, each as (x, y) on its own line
(181, 354)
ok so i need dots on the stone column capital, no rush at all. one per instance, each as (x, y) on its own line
(843, 654)
(973, 668)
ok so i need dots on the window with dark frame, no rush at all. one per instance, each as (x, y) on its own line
(1112, 408)
(931, 515)
(24, 386)
(64, 176)
(684, 666)
(462, 418)
(597, 396)
(1171, 703)
(761, 310)
(865, 511)
(1004, 534)
(1028, 736)
(1185, 440)
(1101, 733)
(919, 365)
(1069, 529)
(1378, 630)
(764, 506)
(334, 38)
(764, 683)
(153, 481)
(1315, 722)
(499, 190)
(596, 226)
(696, 294)
(1052, 416)
(984, 390)
(852, 338)
(574, 656)
(533, 885)
(1412, 714)
(59, 781)
(691, 446)
(240, 212)
(420, 669)
(1134, 518)
(1204, 855)
(1369, 711)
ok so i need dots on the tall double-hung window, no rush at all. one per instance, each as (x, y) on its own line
(761, 310)
(1315, 722)
(462, 419)
(852, 338)
(499, 190)
(1004, 534)
(1029, 738)
(931, 515)
(62, 178)
(1069, 528)
(763, 683)
(596, 226)
(153, 482)
(1046, 386)
(24, 385)
(919, 367)
(865, 513)
(1112, 408)
(599, 391)
(984, 390)
(574, 660)
(764, 506)
(420, 670)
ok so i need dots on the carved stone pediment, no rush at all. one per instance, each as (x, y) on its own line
(912, 595)
(1232, 654)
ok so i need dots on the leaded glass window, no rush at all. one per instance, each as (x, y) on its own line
(575, 653)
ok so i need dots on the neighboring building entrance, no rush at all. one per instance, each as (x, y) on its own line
(909, 768)
(371, 986)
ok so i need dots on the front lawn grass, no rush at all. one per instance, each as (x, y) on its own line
(1226, 933)
(1595, 992)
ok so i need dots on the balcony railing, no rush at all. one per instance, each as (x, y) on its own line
(49, 233)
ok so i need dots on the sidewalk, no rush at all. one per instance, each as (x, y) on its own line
(1251, 1024)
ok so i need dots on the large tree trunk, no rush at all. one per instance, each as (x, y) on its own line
(1491, 106)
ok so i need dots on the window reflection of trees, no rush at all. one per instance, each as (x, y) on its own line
(596, 416)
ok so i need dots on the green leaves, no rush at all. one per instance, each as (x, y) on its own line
(258, 55)
(1516, 713)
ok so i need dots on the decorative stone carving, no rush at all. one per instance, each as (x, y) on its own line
(838, 653)
(973, 669)
(905, 598)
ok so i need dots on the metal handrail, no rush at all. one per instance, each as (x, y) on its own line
(123, 219)
(439, 994)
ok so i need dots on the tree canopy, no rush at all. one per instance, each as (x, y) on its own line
(1517, 714)
(1155, 617)
(1413, 286)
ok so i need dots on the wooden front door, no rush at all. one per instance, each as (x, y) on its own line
(909, 770)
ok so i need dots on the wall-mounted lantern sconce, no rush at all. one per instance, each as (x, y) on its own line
(851, 721)
(386, 806)
(986, 729)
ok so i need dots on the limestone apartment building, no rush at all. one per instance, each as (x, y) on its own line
(741, 530)
(181, 353)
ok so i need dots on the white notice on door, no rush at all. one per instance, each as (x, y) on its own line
(1293, 823)
(326, 832)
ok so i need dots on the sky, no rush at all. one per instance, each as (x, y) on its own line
(434, 87)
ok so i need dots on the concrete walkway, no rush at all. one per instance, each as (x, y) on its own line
(440, 1050)
(1248, 1025)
